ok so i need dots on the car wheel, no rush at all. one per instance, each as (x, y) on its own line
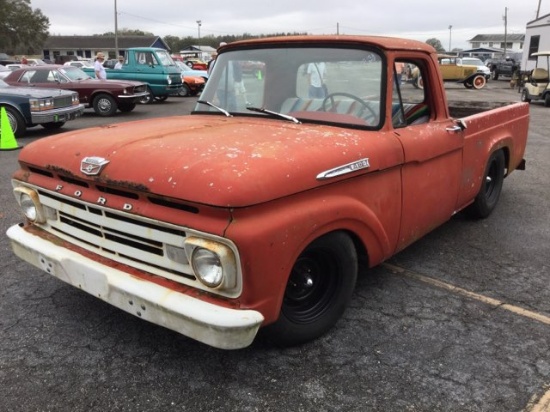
(53, 125)
(547, 100)
(494, 75)
(147, 99)
(525, 96)
(161, 98)
(487, 198)
(184, 91)
(190, 64)
(17, 122)
(105, 105)
(319, 288)
(127, 107)
(479, 82)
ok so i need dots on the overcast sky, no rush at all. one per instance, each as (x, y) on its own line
(416, 19)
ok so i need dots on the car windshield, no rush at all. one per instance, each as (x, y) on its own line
(74, 73)
(472, 61)
(165, 58)
(332, 85)
(182, 66)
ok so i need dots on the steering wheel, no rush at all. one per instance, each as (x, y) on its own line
(351, 96)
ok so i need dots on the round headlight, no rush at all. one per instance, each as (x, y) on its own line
(28, 207)
(207, 266)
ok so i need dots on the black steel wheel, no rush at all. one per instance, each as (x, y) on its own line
(487, 198)
(318, 290)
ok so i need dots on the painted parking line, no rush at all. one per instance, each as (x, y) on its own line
(485, 299)
(543, 404)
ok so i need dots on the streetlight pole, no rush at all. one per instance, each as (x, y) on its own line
(116, 32)
(450, 31)
(199, 23)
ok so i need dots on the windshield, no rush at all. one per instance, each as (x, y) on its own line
(333, 85)
(472, 61)
(74, 73)
(165, 58)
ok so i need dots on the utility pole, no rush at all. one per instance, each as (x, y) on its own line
(505, 29)
(538, 9)
(199, 23)
(116, 33)
(450, 31)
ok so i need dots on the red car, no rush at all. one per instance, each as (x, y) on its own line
(196, 64)
(104, 96)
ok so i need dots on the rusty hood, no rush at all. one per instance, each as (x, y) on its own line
(219, 161)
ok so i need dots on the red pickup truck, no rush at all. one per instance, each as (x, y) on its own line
(255, 210)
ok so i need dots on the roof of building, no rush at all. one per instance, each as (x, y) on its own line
(102, 42)
(483, 38)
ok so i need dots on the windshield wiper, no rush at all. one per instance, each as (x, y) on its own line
(215, 107)
(274, 114)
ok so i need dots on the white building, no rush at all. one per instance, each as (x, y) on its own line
(537, 39)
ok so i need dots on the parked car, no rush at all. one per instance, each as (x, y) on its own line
(109, 64)
(188, 71)
(36, 62)
(4, 71)
(504, 67)
(5, 59)
(192, 85)
(50, 108)
(196, 64)
(15, 66)
(104, 96)
(475, 61)
(79, 63)
(453, 70)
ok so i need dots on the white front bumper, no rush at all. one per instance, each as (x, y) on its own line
(217, 326)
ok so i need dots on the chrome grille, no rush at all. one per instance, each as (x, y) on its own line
(141, 243)
(62, 101)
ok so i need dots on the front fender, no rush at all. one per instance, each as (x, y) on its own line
(270, 237)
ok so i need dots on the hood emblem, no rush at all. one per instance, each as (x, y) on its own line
(92, 166)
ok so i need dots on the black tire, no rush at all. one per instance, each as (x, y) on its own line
(161, 98)
(150, 98)
(105, 105)
(525, 96)
(53, 125)
(126, 107)
(17, 122)
(547, 100)
(319, 288)
(184, 91)
(489, 193)
(468, 85)
(494, 75)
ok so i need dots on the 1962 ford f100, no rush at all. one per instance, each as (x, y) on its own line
(254, 210)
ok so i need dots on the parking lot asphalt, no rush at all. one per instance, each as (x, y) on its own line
(458, 321)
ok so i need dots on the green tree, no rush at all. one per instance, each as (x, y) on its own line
(22, 29)
(436, 44)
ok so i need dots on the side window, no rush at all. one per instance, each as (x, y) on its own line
(27, 76)
(410, 105)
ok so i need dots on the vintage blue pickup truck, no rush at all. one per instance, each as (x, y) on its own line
(150, 65)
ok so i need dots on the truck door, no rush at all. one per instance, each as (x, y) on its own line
(433, 157)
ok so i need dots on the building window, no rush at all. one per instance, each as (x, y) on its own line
(534, 46)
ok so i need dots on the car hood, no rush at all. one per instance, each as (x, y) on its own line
(111, 82)
(36, 92)
(215, 160)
